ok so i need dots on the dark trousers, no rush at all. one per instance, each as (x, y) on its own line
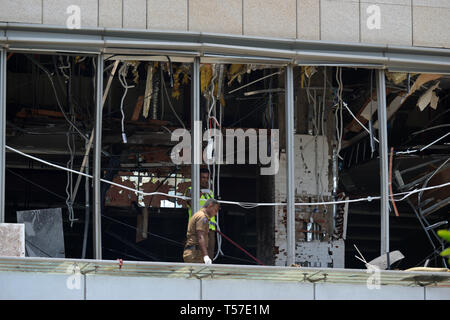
(211, 243)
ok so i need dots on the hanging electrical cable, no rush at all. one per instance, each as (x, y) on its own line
(322, 124)
(70, 140)
(123, 71)
(212, 142)
(246, 205)
(236, 245)
(357, 120)
(161, 90)
(423, 148)
(219, 93)
(170, 72)
(67, 66)
(171, 106)
(311, 101)
(372, 143)
(210, 147)
(69, 185)
(50, 77)
(324, 99)
(219, 124)
(340, 127)
(341, 103)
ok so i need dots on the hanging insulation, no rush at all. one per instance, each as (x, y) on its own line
(206, 73)
(155, 96)
(148, 90)
(236, 71)
(134, 65)
(178, 80)
(176, 84)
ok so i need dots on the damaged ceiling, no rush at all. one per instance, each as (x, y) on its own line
(51, 110)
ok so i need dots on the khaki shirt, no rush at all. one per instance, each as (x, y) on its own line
(198, 222)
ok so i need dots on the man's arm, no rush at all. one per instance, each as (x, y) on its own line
(201, 241)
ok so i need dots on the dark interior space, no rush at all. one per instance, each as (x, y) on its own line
(51, 115)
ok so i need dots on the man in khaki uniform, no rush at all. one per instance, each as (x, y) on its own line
(196, 247)
(205, 194)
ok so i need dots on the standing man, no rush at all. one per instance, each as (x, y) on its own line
(205, 194)
(196, 247)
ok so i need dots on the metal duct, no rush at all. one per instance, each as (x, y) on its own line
(264, 50)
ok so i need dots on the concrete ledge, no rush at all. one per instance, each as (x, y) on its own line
(141, 288)
(256, 290)
(19, 285)
(38, 286)
(360, 292)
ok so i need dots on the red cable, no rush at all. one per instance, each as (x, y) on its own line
(239, 247)
(390, 183)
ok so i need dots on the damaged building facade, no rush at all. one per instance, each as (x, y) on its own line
(324, 126)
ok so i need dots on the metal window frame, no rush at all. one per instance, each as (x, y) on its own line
(196, 136)
(211, 45)
(2, 132)
(214, 48)
(290, 163)
(97, 221)
(384, 173)
(97, 148)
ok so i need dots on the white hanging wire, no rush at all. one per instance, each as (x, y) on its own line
(219, 123)
(339, 122)
(246, 205)
(170, 104)
(214, 163)
(69, 185)
(123, 71)
(357, 120)
(70, 143)
(341, 103)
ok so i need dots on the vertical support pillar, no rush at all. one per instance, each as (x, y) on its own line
(97, 162)
(2, 132)
(384, 181)
(290, 174)
(196, 136)
(87, 208)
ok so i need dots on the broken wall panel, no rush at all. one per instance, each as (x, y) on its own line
(321, 254)
(43, 232)
(12, 240)
(312, 184)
